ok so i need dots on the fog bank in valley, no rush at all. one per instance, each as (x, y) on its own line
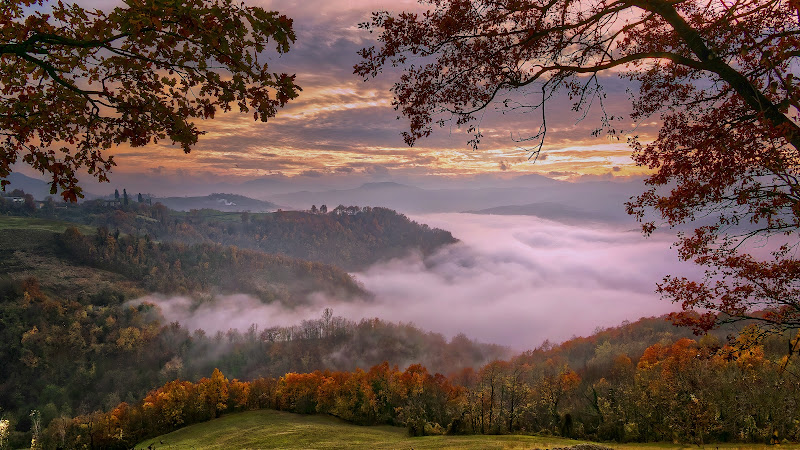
(518, 280)
(512, 280)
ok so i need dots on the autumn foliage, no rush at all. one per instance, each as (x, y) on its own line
(76, 82)
(686, 391)
(640, 382)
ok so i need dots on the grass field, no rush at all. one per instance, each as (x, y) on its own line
(274, 429)
(29, 248)
(32, 223)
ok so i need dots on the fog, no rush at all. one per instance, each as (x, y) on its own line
(224, 312)
(512, 280)
(517, 280)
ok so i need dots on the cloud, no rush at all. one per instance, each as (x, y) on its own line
(339, 121)
(311, 173)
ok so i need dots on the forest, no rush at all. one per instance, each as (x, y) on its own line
(349, 237)
(70, 321)
(600, 388)
(639, 382)
(57, 348)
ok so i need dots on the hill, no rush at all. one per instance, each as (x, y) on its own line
(31, 248)
(72, 323)
(38, 188)
(75, 264)
(558, 212)
(605, 197)
(351, 238)
(274, 429)
(589, 388)
(219, 202)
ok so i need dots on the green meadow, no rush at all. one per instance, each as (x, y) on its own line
(275, 429)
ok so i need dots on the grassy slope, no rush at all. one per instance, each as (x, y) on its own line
(28, 248)
(274, 429)
(32, 223)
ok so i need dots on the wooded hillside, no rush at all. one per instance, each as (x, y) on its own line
(349, 237)
(676, 390)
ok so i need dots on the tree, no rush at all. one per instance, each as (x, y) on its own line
(5, 432)
(77, 82)
(36, 429)
(214, 392)
(718, 75)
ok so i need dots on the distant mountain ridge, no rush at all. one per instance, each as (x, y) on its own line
(556, 211)
(531, 195)
(39, 189)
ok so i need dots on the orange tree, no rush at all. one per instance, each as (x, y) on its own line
(74, 82)
(718, 75)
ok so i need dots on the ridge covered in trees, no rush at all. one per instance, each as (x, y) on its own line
(349, 237)
(138, 265)
(174, 268)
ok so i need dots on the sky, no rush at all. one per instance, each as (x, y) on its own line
(342, 127)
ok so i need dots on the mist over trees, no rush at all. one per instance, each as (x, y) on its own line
(58, 348)
(67, 316)
(615, 385)
(84, 351)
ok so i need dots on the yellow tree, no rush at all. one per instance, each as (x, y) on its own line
(214, 392)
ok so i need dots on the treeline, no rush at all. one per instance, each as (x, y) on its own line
(174, 268)
(349, 237)
(334, 343)
(73, 356)
(17, 202)
(688, 391)
(381, 395)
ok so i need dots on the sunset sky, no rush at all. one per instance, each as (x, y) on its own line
(343, 127)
